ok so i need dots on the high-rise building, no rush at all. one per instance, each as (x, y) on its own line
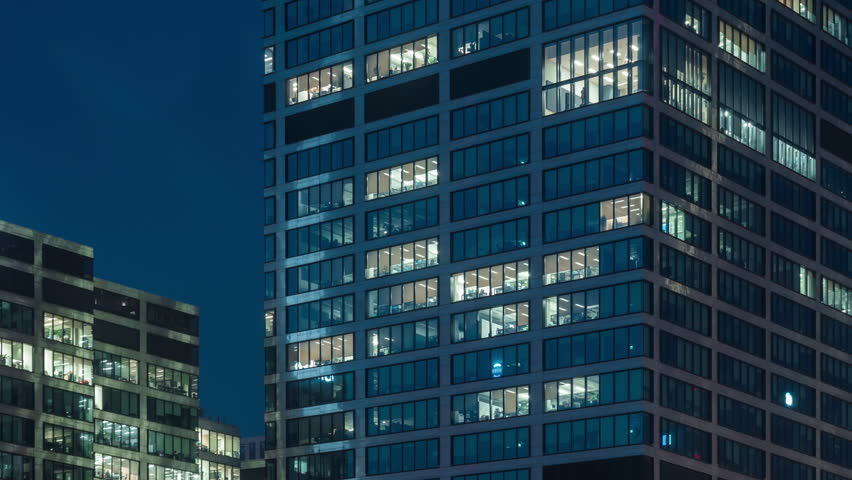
(530, 240)
(97, 380)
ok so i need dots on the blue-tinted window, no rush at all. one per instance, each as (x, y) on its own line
(793, 395)
(320, 198)
(741, 252)
(793, 355)
(836, 334)
(320, 313)
(402, 377)
(558, 13)
(753, 12)
(686, 398)
(684, 226)
(791, 75)
(836, 24)
(591, 175)
(741, 169)
(491, 363)
(319, 275)
(491, 239)
(793, 435)
(490, 322)
(339, 387)
(741, 293)
(741, 376)
(741, 108)
(599, 389)
(790, 234)
(320, 236)
(319, 466)
(741, 458)
(16, 317)
(836, 180)
(461, 7)
(836, 450)
(794, 37)
(684, 311)
(836, 411)
(318, 429)
(598, 303)
(685, 269)
(685, 440)
(402, 218)
(836, 257)
(685, 355)
(742, 417)
(303, 12)
(786, 469)
(836, 218)
(490, 115)
(269, 136)
(403, 297)
(512, 475)
(836, 372)
(601, 432)
(595, 260)
(321, 159)
(491, 157)
(741, 334)
(403, 457)
(684, 140)
(600, 346)
(598, 130)
(792, 275)
(836, 63)
(398, 139)
(685, 183)
(319, 44)
(793, 137)
(690, 15)
(491, 446)
(491, 198)
(685, 76)
(794, 316)
(793, 196)
(400, 19)
(269, 174)
(741, 211)
(490, 32)
(837, 103)
(601, 216)
(269, 285)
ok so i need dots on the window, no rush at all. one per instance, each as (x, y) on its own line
(491, 239)
(836, 257)
(836, 102)
(753, 12)
(794, 276)
(741, 252)
(19, 467)
(491, 405)
(269, 60)
(685, 75)
(335, 388)
(793, 395)
(836, 411)
(401, 258)
(218, 471)
(558, 13)
(321, 159)
(490, 32)
(791, 75)
(219, 443)
(836, 24)
(405, 297)
(684, 140)
(684, 311)
(741, 109)
(16, 317)
(686, 269)
(689, 15)
(63, 366)
(741, 211)
(490, 280)
(398, 139)
(491, 157)
(741, 376)
(786, 469)
(741, 293)
(402, 58)
(21, 431)
(320, 236)
(598, 303)
(793, 435)
(18, 355)
(402, 337)
(65, 440)
(67, 330)
(402, 218)
(108, 467)
(595, 260)
(172, 446)
(118, 435)
(156, 472)
(490, 115)
(490, 322)
(319, 83)
(269, 105)
(269, 135)
(461, 7)
(402, 417)
(685, 440)
(320, 44)
(319, 198)
(596, 174)
(790, 234)
(836, 450)
(170, 413)
(400, 19)
(491, 363)
(805, 8)
(741, 334)
(793, 137)
(19, 393)
(685, 355)
(172, 381)
(598, 130)
(600, 432)
(402, 178)
(742, 46)
(320, 313)
(319, 275)
(596, 66)
(269, 215)
(836, 334)
(269, 248)
(600, 346)
(322, 466)
(118, 401)
(836, 218)
(270, 440)
(836, 64)
(303, 12)
(741, 169)
(793, 196)
(792, 36)
(742, 417)
(319, 352)
(602, 389)
(491, 198)
(402, 377)
(741, 458)
(270, 397)
(270, 360)
(685, 183)
(836, 296)
(602, 216)
(491, 446)
(331, 427)
(794, 356)
(835, 372)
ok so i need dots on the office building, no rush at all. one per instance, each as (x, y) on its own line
(530, 240)
(97, 380)
(218, 450)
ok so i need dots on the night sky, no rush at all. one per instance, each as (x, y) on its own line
(134, 127)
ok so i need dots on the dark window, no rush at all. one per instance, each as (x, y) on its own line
(324, 158)
(490, 115)
(742, 417)
(793, 395)
(116, 303)
(319, 44)
(686, 398)
(18, 393)
(836, 450)
(402, 417)
(836, 334)
(491, 446)
(686, 141)
(172, 319)
(599, 173)
(173, 414)
(491, 363)
(790, 234)
(461, 7)
(558, 13)
(794, 37)
(742, 335)
(398, 139)
(794, 355)
(595, 433)
(490, 73)
(269, 175)
(793, 435)
(320, 236)
(600, 346)
(741, 458)
(836, 411)
(402, 218)
(752, 12)
(741, 211)
(836, 373)
(670, 471)
(320, 121)
(741, 376)
(688, 14)
(836, 64)
(837, 103)
(685, 355)
(684, 311)
(400, 19)
(67, 295)
(403, 457)
(490, 32)
(16, 317)
(56, 470)
(402, 377)
(269, 102)
(63, 403)
(834, 139)
(797, 79)
(330, 427)
(685, 440)
(685, 183)
(741, 252)
(786, 469)
(320, 313)
(59, 439)
(794, 316)
(303, 12)
(17, 248)
(741, 169)
(321, 466)
(402, 98)
(603, 129)
(793, 196)
(685, 269)
(684, 226)
(836, 218)
(836, 179)
(491, 198)
(335, 388)
(491, 239)
(118, 401)
(172, 349)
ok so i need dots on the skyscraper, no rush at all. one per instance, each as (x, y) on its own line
(97, 380)
(512, 240)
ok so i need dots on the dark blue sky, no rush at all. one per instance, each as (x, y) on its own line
(135, 128)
